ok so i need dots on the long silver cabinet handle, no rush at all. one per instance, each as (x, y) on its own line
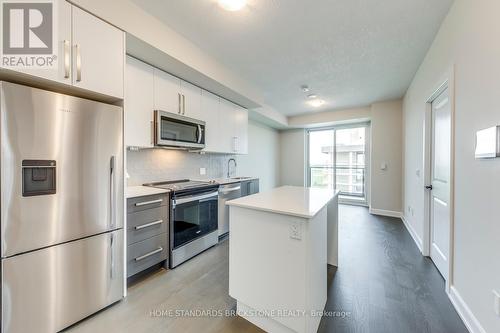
(180, 103)
(142, 226)
(149, 254)
(66, 58)
(78, 63)
(183, 104)
(145, 203)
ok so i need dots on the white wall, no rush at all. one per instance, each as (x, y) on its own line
(469, 40)
(386, 147)
(293, 157)
(327, 118)
(263, 155)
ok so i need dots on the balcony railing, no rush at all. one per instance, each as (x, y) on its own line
(350, 180)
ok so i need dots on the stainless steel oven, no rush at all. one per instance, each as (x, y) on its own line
(193, 223)
(173, 130)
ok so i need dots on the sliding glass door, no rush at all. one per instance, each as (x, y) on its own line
(337, 159)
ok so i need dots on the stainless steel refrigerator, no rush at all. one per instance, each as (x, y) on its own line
(61, 208)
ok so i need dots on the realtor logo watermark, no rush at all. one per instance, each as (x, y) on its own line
(29, 33)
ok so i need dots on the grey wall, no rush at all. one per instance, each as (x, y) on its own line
(262, 161)
(468, 41)
(293, 157)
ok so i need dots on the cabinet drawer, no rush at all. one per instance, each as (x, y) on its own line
(144, 254)
(147, 202)
(147, 223)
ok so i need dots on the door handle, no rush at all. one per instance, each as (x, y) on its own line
(112, 191)
(230, 190)
(429, 187)
(112, 265)
(66, 58)
(200, 134)
(152, 132)
(78, 63)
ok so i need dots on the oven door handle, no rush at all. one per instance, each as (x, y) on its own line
(195, 198)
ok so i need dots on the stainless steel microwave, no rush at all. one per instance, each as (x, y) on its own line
(174, 130)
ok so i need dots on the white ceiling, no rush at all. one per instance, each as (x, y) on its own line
(350, 52)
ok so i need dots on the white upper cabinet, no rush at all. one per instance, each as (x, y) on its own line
(210, 105)
(167, 92)
(61, 73)
(226, 127)
(139, 103)
(148, 89)
(240, 130)
(98, 55)
(191, 100)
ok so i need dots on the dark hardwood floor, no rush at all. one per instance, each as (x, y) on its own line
(383, 285)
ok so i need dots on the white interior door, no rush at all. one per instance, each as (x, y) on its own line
(440, 181)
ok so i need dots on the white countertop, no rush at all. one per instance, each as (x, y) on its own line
(141, 191)
(303, 202)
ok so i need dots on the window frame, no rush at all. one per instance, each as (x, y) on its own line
(366, 125)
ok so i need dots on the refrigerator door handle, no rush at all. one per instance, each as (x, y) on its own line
(112, 264)
(112, 191)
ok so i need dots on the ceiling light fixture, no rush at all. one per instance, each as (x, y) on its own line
(316, 102)
(312, 96)
(304, 88)
(232, 5)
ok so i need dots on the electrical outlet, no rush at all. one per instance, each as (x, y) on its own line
(296, 231)
(496, 302)
(203, 171)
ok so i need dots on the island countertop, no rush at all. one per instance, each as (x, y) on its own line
(297, 201)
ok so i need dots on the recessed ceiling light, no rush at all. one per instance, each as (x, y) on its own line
(304, 88)
(312, 96)
(316, 102)
(232, 5)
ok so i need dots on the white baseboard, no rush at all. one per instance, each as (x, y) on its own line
(413, 234)
(464, 312)
(383, 212)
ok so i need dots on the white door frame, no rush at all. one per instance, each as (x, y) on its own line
(446, 81)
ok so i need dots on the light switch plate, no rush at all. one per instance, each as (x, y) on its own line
(203, 171)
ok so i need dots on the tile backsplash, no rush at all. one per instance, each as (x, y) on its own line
(149, 165)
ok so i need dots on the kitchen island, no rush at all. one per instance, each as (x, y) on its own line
(280, 242)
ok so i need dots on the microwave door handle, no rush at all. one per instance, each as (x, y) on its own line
(199, 134)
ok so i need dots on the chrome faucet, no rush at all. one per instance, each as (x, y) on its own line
(235, 165)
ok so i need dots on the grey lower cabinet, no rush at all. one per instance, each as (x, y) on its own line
(147, 232)
(249, 187)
